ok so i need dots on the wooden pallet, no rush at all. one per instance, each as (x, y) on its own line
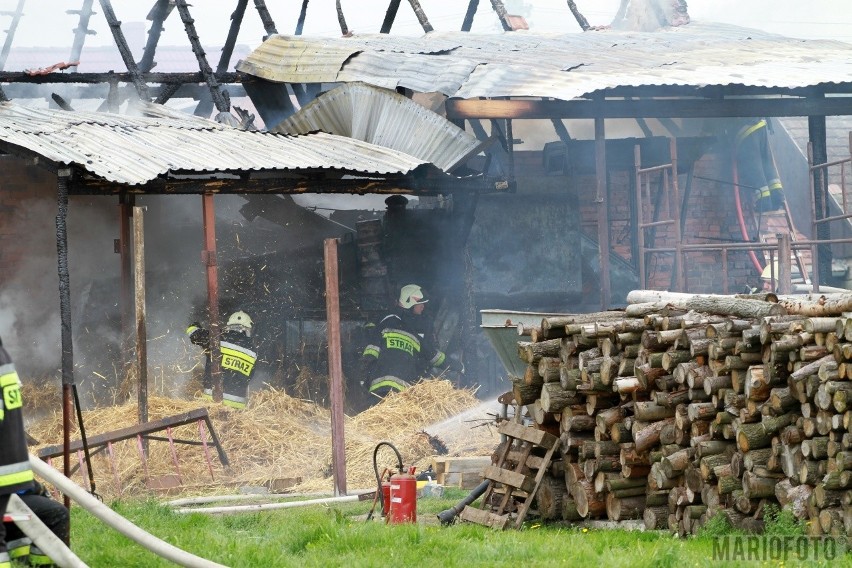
(513, 490)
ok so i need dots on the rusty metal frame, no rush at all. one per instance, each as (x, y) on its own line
(818, 219)
(142, 433)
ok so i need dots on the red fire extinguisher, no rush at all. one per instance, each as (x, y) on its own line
(403, 498)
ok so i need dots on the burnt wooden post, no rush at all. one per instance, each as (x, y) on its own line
(65, 320)
(335, 369)
(500, 9)
(125, 217)
(341, 19)
(208, 257)
(141, 325)
(603, 210)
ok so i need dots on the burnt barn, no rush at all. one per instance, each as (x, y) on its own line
(515, 176)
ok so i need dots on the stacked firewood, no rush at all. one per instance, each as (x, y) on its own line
(676, 410)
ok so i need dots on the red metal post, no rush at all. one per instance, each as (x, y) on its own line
(335, 368)
(208, 257)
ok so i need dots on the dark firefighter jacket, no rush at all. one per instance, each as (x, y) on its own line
(756, 164)
(238, 360)
(15, 472)
(399, 350)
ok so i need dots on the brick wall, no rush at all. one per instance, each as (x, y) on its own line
(711, 219)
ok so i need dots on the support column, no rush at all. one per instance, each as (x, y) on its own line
(125, 217)
(208, 257)
(816, 132)
(335, 369)
(603, 210)
(141, 325)
(65, 321)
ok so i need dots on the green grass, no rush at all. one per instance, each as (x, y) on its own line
(338, 536)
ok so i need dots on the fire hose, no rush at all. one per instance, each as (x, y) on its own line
(380, 498)
(116, 521)
(448, 516)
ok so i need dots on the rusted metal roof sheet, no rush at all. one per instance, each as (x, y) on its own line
(561, 66)
(135, 150)
(385, 118)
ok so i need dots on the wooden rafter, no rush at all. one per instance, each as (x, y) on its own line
(158, 14)
(390, 16)
(219, 98)
(421, 16)
(300, 25)
(584, 23)
(263, 12)
(81, 31)
(468, 16)
(500, 9)
(344, 29)
(120, 42)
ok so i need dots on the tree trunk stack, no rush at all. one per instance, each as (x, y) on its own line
(673, 415)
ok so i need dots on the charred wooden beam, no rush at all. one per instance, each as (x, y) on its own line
(263, 12)
(157, 16)
(390, 16)
(500, 9)
(300, 24)
(120, 42)
(10, 33)
(654, 108)
(584, 23)
(100, 78)
(220, 99)
(205, 105)
(468, 16)
(410, 184)
(81, 31)
(421, 16)
(341, 19)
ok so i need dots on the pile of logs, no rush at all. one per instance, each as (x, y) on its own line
(683, 407)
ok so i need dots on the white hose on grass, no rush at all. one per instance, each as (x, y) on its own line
(269, 506)
(116, 521)
(251, 497)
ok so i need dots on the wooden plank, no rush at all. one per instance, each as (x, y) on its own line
(460, 464)
(510, 478)
(528, 434)
(482, 517)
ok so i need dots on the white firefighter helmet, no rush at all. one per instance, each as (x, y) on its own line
(410, 296)
(241, 319)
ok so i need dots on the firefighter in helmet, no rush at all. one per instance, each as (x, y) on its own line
(238, 358)
(401, 347)
(756, 164)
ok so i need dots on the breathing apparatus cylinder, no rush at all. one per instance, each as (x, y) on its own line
(403, 498)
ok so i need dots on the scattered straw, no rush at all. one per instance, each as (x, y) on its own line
(277, 437)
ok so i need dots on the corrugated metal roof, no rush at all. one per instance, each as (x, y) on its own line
(561, 66)
(385, 118)
(137, 149)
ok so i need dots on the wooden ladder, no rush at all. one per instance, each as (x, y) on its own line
(514, 484)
